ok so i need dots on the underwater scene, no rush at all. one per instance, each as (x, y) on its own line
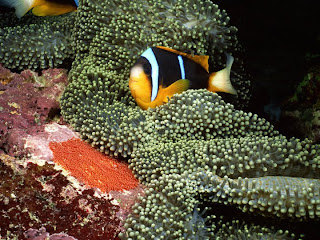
(166, 119)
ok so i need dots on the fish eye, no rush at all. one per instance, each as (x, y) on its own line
(147, 69)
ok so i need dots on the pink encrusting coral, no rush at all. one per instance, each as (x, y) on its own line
(42, 234)
(92, 167)
(38, 144)
(27, 101)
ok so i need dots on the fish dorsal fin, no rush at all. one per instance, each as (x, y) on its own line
(202, 60)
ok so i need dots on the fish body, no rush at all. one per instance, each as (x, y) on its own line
(41, 7)
(161, 72)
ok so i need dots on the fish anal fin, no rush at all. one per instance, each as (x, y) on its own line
(202, 60)
(176, 87)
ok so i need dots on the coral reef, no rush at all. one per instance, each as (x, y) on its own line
(27, 102)
(92, 167)
(40, 196)
(209, 168)
(182, 150)
(35, 43)
(37, 145)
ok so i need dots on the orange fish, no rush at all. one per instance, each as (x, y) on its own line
(161, 72)
(41, 7)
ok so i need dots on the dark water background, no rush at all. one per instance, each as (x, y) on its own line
(276, 36)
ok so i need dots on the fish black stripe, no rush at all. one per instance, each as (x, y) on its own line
(169, 67)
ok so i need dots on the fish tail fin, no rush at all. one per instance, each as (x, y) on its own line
(220, 81)
(21, 6)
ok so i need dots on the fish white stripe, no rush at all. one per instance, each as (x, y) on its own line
(149, 55)
(183, 73)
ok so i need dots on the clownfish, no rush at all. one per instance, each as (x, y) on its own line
(161, 72)
(41, 7)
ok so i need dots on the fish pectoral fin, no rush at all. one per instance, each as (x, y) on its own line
(203, 60)
(176, 87)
